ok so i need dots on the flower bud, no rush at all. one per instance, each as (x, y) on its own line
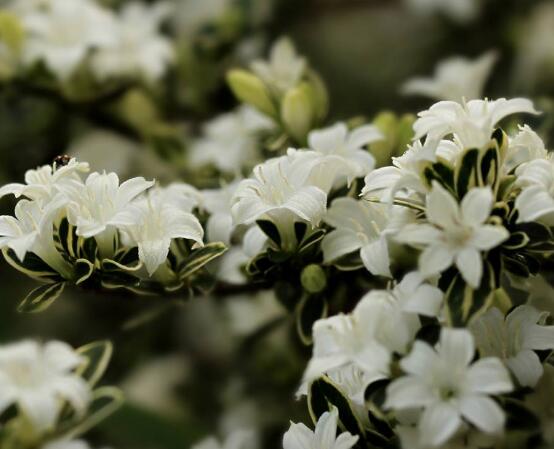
(313, 278)
(249, 89)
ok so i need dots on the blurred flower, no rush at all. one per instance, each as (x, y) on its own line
(31, 230)
(455, 234)
(284, 68)
(449, 387)
(138, 47)
(44, 182)
(151, 223)
(359, 225)
(218, 202)
(324, 437)
(66, 444)
(238, 439)
(536, 201)
(365, 338)
(456, 78)
(231, 141)
(416, 296)
(62, 33)
(515, 339)
(525, 146)
(38, 378)
(471, 123)
(191, 15)
(337, 153)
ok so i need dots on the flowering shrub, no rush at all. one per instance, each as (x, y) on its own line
(404, 249)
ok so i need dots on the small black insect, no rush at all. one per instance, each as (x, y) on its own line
(61, 161)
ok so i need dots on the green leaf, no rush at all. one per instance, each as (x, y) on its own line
(463, 302)
(441, 173)
(105, 401)
(489, 167)
(199, 258)
(466, 173)
(270, 229)
(41, 298)
(322, 395)
(32, 267)
(83, 270)
(98, 355)
(517, 240)
(308, 311)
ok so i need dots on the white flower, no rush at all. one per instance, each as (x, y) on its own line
(238, 439)
(536, 200)
(38, 378)
(458, 10)
(338, 155)
(365, 338)
(324, 437)
(449, 387)
(524, 147)
(470, 123)
(280, 192)
(192, 15)
(43, 183)
(66, 444)
(94, 207)
(515, 339)
(31, 230)
(151, 223)
(405, 173)
(231, 141)
(456, 234)
(218, 203)
(416, 296)
(284, 68)
(455, 79)
(138, 47)
(359, 226)
(62, 33)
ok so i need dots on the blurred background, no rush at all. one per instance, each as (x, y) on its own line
(186, 377)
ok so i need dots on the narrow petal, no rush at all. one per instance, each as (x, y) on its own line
(442, 208)
(488, 376)
(470, 264)
(435, 259)
(418, 234)
(408, 392)
(486, 237)
(527, 367)
(476, 205)
(456, 346)
(483, 413)
(439, 423)
(375, 257)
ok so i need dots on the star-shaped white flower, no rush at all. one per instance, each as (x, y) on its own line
(43, 183)
(338, 155)
(299, 436)
(525, 146)
(151, 223)
(281, 192)
(455, 78)
(94, 207)
(139, 49)
(284, 68)
(450, 388)
(455, 233)
(471, 123)
(31, 230)
(38, 378)
(536, 200)
(359, 226)
(515, 339)
(365, 338)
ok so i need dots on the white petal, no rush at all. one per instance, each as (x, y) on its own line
(363, 135)
(438, 423)
(375, 257)
(420, 360)
(470, 264)
(153, 253)
(298, 437)
(442, 208)
(488, 376)
(456, 346)
(486, 237)
(408, 392)
(425, 300)
(337, 243)
(308, 203)
(435, 259)
(476, 205)
(483, 413)
(418, 234)
(527, 367)
(326, 429)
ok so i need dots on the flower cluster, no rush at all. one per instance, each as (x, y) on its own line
(52, 387)
(66, 37)
(98, 231)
